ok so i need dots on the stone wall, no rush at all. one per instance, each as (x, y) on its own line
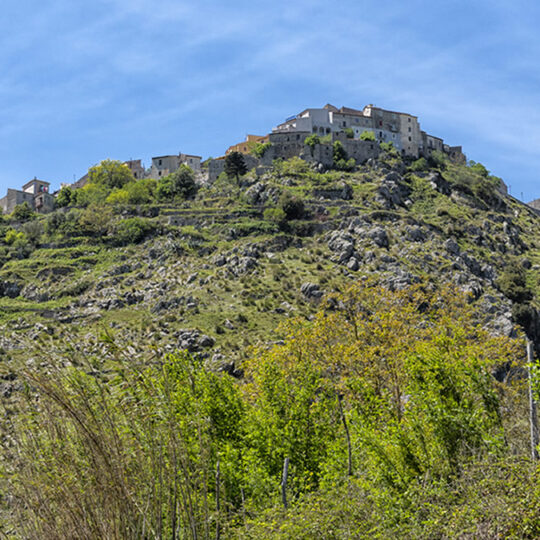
(13, 198)
(288, 145)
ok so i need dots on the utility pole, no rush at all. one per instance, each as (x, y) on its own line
(284, 482)
(533, 417)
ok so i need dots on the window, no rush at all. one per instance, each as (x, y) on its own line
(344, 123)
(380, 123)
(409, 129)
(159, 162)
(409, 119)
(410, 139)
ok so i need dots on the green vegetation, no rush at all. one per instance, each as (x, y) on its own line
(367, 136)
(341, 161)
(235, 165)
(366, 398)
(151, 330)
(260, 149)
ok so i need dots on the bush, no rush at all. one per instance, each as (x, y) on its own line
(275, 215)
(23, 212)
(138, 192)
(349, 132)
(33, 231)
(312, 141)
(181, 183)
(292, 206)
(367, 136)
(260, 149)
(478, 168)
(512, 283)
(419, 165)
(295, 166)
(131, 231)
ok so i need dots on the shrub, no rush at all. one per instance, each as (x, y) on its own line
(339, 152)
(349, 132)
(295, 166)
(367, 136)
(478, 168)
(260, 149)
(312, 141)
(292, 206)
(512, 283)
(419, 165)
(438, 159)
(131, 231)
(181, 183)
(23, 212)
(275, 215)
(33, 231)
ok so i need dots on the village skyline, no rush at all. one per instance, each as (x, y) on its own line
(129, 80)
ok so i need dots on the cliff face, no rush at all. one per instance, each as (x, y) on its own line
(218, 273)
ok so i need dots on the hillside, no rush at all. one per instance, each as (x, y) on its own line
(217, 274)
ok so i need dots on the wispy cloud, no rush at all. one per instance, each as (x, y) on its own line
(125, 77)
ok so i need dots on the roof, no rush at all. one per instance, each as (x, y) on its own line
(392, 112)
(192, 155)
(163, 157)
(34, 180)
(348, 110)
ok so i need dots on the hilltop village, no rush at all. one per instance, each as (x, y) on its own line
(361, 132)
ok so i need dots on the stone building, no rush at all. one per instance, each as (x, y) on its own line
(35, 193)
(288, 144)
(165, 165)
(136, 168)
(401, 129)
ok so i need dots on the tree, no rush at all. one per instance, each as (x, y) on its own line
(110, 173)
(340, 158)
(22, 212)
(235, 165)
(180, 183)
(65, 197)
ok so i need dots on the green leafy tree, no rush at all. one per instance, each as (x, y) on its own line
(110, 173)
(23, 212)
(349, 132)
(65, 197)
(235, 165)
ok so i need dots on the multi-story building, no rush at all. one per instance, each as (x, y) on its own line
(317, 121)
(401, 129)
(35, 193)
(136, 168)
(165, 165)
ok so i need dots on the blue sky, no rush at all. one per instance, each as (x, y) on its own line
(121, 79)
